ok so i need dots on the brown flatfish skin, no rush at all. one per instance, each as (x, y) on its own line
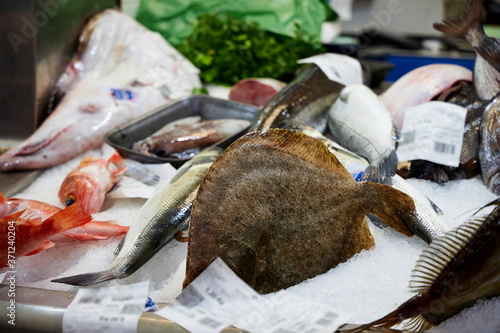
(279, 208)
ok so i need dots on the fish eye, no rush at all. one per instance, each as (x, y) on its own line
(70, 200)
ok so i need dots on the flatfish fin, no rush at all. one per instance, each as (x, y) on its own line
(385, 166)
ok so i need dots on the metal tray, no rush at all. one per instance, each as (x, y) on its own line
(207, 107)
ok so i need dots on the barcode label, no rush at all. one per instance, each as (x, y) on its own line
(190, 298)
(90, 300)
(444, 148)
(130, 309)
(209, 322)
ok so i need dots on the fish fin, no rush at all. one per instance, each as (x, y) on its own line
(117, 160)
(45, 245)
(440, 252)
(120, 246)
(2, 198)
(396, 133)
(86, 160)
(181, 236)
(68, 218)
(87, 279)
(384, 167)
(408, 310)
(471, 19)
(394, 208)
(436, 208)
(376, 221)
(85, 237)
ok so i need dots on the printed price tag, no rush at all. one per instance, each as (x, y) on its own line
(337, 67)
(218, 298)
(434, 132)
(112, 309)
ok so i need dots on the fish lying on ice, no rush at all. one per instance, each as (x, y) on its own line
(24, 234)
(469, 28)
(89, 182)
(279, 208)
(158, 221)
(452, 274)
(93, 230)
(186, 140)
(359, 122)
(306, 99)
(255, 91)
(489, 147)
(419, 86)
(427, 225)
(125, 71)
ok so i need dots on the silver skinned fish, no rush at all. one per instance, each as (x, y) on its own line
(306, 99)
(161, 217)
(427, 224)
(360, 122)
(469, 28)
(489, 147)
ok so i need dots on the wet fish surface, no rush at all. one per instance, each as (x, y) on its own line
(427, 225)
(469, 28)
(279, 208)
(360, 122)
(157, 222)
(185, 140)
(489, 148)
(452, 274)
(306, 99)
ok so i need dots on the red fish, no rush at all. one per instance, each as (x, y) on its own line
(90, 181)
(24, 234)
(93, 230)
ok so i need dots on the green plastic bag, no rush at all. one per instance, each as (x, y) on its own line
(174, 19)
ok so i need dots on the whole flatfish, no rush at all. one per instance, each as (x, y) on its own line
(162, 216)
(452, 274)
(279, 208)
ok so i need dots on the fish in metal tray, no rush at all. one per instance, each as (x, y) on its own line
(185, 140)
(158, 221)
(360, 122)
(469, 28)
(306, 99)
(279, 208)
(427, 223)
(452, 274)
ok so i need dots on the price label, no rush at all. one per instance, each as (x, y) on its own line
(434, 132)
(337, 67)
(218, 298)
(111, 309)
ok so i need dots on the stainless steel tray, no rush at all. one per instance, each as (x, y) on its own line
(207, 107)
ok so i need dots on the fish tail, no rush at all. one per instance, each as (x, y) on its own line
(87, 279)
(68, 218)
(2, 198)
(471, 20)
(386, 166)
(393, 207)
(411, 309)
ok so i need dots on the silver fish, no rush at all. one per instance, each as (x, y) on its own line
(469, 28)
(360, 122)
(489, 147)
(161, 217)
(306, 99)
(427, 223)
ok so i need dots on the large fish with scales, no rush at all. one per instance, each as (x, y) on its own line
(165, 214)
(452, 274)
(427, 224)
(123, 71)
(307, 213)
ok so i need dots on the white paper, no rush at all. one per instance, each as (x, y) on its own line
(337, 67)
(218, 298)
(434, 132)
(131, 188)
(111, 309)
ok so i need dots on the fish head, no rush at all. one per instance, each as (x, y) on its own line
(80, 187)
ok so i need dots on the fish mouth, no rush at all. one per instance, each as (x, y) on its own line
(38, 146)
